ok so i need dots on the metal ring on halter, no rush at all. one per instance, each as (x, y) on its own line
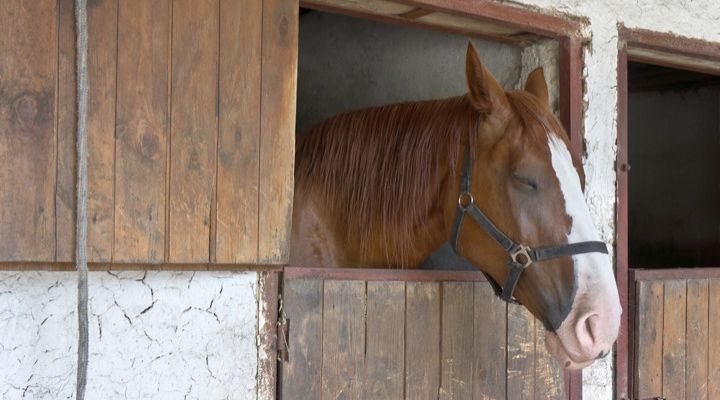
(522, 252)
(465, 200)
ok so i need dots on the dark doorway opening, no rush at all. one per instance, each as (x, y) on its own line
(674, 180)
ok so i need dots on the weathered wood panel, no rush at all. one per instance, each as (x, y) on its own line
(102, 42)
(385, 338)
(66, 133)
(696, 373)
(549, 375)
(277, 127)
(422, 351)
(411, 340)
(649, 349)
(303, 307)
(520, 353)
(239, 131)
(344, 306)
(674, 340)
(490, 328)
(456, 340)
(142, 131)
(193, 142)
(28, 79)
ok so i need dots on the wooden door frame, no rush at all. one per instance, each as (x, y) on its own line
(566, 30)
(667, 50)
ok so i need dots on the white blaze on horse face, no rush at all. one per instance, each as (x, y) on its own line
(585, 336)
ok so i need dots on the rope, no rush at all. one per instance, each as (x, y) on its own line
(81, 221)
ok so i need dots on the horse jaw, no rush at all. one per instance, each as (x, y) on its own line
(592, 326)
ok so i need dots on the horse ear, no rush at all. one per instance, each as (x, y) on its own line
(483, 90)
(537, 86)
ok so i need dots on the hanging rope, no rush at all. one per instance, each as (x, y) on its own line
(81, 74)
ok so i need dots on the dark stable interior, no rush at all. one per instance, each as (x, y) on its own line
(674, 176)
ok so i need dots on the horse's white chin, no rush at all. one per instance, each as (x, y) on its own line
(557, 350)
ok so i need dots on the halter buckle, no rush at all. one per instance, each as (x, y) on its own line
(521, 256)
(465, 200)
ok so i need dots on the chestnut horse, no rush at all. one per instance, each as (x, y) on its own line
(379, 187)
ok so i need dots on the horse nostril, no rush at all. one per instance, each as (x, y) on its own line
(587, 331)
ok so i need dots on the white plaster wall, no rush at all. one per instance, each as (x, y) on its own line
(693, 18)
(153, 335)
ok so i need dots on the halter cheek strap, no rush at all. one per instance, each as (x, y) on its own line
(521, 255)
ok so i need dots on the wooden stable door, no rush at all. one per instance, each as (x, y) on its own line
(676, 322)
(414, 338)
(190, 131)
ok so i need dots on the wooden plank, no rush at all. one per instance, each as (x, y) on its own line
(674, 320)
(193, 128)
(549, 374)
(343, 344)
(456, 340)
(28, 78)
(422, 349)
(649, 348)
(239, 131)
(490, 329)
(102, 42)
(696, 374)
(65, 192)
(277, 144)
(141, 131)
(521, 353)
(713, 333)
(385, 337)
(302, 304)
(378, 274)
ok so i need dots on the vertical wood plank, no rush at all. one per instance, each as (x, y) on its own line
(302, 301)
(549, 374)
(696, 376)
(385, 337)
(193, 142)
(649, 348)
(521, 353)
(490, 327)
(239, 131)
(713, 333)
(102, 42)
(422, 345)
(456, 348)
(277, 143)
(141, 130)
(343, 339)
(66, 116)
(674, 321)
(28, 79)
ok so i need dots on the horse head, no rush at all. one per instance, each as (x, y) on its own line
(529, 184)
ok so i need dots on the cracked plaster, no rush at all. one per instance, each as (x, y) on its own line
(153, 335)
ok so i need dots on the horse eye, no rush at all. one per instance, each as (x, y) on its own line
(526, 181)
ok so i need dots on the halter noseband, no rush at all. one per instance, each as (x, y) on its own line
(521, 255)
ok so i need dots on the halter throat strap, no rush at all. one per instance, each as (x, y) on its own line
(521, 256)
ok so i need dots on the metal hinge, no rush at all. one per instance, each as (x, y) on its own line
(283, 329)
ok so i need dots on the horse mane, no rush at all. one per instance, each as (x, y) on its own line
(378, 170)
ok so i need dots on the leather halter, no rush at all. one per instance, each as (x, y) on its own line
(521, 256)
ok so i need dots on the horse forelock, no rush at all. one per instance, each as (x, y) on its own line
(379, 170)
